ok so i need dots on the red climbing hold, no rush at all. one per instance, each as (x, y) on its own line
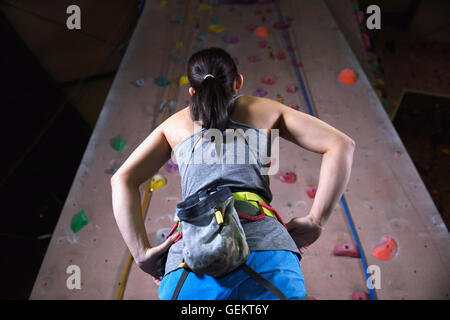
(311, 192)
(293, 106)
(281, 56)
(299, 64)
(292, 89)
(397, 154)
(268, 80)
(347, 250)
(261, 32)
(262, 44)
(360, 295)
(347, 76)
(386, 249)
(287, 177)
(277, 25)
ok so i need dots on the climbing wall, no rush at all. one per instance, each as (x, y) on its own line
(398, 226)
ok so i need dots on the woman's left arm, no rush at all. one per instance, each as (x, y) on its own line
(141, 165)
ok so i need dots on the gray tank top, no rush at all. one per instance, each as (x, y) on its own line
(233, 158)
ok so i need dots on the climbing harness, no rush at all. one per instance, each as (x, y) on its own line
(214, 240)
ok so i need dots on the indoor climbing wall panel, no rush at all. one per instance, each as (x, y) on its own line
(385, 195)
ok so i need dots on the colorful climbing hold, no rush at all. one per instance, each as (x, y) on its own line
(347, 76)
(360, 295)
(254, 59)
(347, 250)
(162, 81)
(386, 249)
(260, 93)
(292, 89)
(214, 20)
(293, 106)
(183, 80)
(174, 18)
(299, 64)
(164, 3)
(281, 56)
(397, 154)
(366, 42)
(311, 192)
(213, 28)
(231, 40)
(269, 80)
(158, 181)
(262, 44)
(139, 82)
(171, 166)
(287, 177)
(202, 37)
(79, 220)
(261, 32)
(250, 27)
(118, 144)
(205, 7)
(279, 26)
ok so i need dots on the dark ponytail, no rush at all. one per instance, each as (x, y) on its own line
(212, 101)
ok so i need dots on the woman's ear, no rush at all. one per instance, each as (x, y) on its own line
(191, 91)
(238, 82)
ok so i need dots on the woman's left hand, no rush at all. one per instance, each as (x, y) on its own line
(304, 231)
(149, 261)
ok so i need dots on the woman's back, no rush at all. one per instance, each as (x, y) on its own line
(255, 112)
(238, 157)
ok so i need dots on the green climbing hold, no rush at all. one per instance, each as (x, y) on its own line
(79, 221)
(214, 20)
(240, 13)
(162, 81)
(118, 144)
(356, 6)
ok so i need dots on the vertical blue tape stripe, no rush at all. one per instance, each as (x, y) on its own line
(305, 95)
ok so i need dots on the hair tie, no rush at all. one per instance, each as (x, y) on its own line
(208, 75)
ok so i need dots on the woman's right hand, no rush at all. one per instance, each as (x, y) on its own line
(149, 261)
(304, 231)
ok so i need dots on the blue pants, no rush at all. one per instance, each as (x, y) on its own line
(282, 268)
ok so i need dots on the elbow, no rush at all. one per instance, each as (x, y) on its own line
(351, 143)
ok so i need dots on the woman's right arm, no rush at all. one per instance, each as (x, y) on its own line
(337, 149)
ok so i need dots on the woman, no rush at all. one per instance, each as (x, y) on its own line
(215, 104)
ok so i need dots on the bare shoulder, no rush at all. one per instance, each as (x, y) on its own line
(258, 112)
(178, 127)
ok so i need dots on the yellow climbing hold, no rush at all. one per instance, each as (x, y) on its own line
(213, 28)
(179, 44)
(183, 80)
(158, 181)
(205, 7)
(164, 3)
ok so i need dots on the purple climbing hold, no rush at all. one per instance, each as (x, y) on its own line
(171, 166)
(260, 93)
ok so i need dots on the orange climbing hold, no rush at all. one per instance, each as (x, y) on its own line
(386, 249)
(261, 32)
(347, 76)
